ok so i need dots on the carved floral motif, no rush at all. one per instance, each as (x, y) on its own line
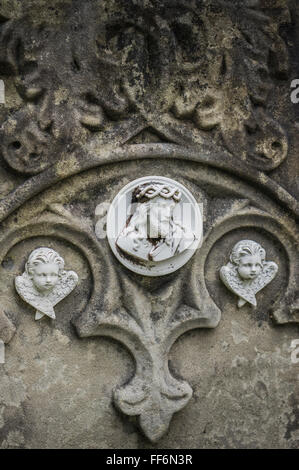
(192, 72)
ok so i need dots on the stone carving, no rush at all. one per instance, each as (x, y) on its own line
(147, 317)
(194, 86)
(247, 272)
(25, 146)
(148, 324)
(147, 87)
(45, 282)
(163, 230)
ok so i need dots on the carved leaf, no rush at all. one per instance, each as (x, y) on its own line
(209, 65)
(154, 400)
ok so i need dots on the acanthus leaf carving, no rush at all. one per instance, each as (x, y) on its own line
(171, 65)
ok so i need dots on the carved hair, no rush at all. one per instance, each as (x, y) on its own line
(245, 248)
(43, 255)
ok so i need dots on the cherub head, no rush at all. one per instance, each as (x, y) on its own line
(249, 258)
(44, 267)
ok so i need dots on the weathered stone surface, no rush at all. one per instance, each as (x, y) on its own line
(99, 94)
(7, 329)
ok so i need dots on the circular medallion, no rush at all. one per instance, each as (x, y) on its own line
(154, 226)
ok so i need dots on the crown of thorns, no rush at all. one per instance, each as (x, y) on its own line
(158, 189)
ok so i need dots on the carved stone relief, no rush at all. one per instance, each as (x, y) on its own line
(247, 271)
(154, 226)
(146, 109)
(45, 282)
(148, 317)
(179, 87)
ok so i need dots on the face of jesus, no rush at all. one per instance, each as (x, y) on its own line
(250, 266)
(45, 276)
(159, 217)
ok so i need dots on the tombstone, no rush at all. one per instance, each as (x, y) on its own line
(148, 238)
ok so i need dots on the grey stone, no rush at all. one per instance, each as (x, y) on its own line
(97, 95)
(7, 329)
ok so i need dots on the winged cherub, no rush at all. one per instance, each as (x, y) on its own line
(247, 272)
(45, 282)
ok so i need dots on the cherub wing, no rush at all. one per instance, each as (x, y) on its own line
(25, 289)
(29, 294)
(267, 275)
(67, 283)
(232, 281)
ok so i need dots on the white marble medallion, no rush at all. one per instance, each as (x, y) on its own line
(154, 225)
